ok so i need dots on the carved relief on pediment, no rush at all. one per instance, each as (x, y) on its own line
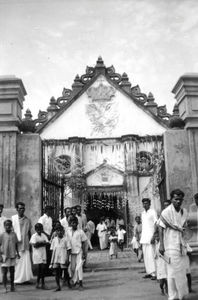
(102, 110)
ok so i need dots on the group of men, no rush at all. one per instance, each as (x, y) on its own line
(173, 247)
(22, 227)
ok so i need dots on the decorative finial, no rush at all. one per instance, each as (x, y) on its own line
(52, 105)
(100, 63)
(77, 85)
(125, 83)
(27, 125)
(28, 115)
(150, 97)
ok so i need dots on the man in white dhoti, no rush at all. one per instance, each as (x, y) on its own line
(102, 234)
(149, 219)
(22, 227)
(173, 245)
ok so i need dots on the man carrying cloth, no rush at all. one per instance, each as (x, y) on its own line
(173, 245)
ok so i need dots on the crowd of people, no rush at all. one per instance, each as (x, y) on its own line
(57, 247)
(163, 245)
(61, 247)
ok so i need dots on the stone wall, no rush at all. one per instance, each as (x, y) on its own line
(28, 175)
(178, 164)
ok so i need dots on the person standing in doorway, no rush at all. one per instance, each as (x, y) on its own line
(149, 219)
(22, 228)
(102, 234)
(172, 244)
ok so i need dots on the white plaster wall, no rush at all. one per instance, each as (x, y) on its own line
(126, 116)
(111, 152)
(96, 178)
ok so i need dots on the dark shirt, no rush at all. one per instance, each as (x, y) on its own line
(8, 243)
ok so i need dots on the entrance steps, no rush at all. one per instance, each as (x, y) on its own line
(98, 260)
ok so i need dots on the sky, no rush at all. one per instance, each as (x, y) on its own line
(47, 42)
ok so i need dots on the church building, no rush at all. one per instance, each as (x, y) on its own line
(102, 146)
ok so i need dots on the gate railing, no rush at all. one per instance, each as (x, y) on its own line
(52, 186)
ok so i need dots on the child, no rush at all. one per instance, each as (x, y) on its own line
(161, 268)
(78, 251)
(113, 239)
(9, 252)
(39, 241)
(120, 233)
(137, 247)
(61, 248)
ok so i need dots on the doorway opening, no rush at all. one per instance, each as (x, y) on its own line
(108, 203)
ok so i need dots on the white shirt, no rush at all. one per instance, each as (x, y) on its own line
(47, 223)
(172, 238)
(64, 223)
(39, 254)
(76, 238)
(121, 233)
(101, 228)
(149, 218)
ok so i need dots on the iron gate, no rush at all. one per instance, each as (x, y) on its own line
(52, 185)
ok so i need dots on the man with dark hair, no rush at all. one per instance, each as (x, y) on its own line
(172, 244)
(46, 220)
(22, 227)
(77, 238)
(149, 219)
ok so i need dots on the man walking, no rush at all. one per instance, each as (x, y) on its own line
(149, 219)
(22, 228)
(172, 244)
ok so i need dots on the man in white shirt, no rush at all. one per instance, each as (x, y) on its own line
(149, 219)
(173, 245)
(46, 221)
(78, 239)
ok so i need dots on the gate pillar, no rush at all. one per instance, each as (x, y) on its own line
(186, 94)
(12, 94)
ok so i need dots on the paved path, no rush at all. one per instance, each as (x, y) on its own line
(123, 284)
(99, 260)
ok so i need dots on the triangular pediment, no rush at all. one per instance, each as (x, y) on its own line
(105, 175)
(103, 105)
